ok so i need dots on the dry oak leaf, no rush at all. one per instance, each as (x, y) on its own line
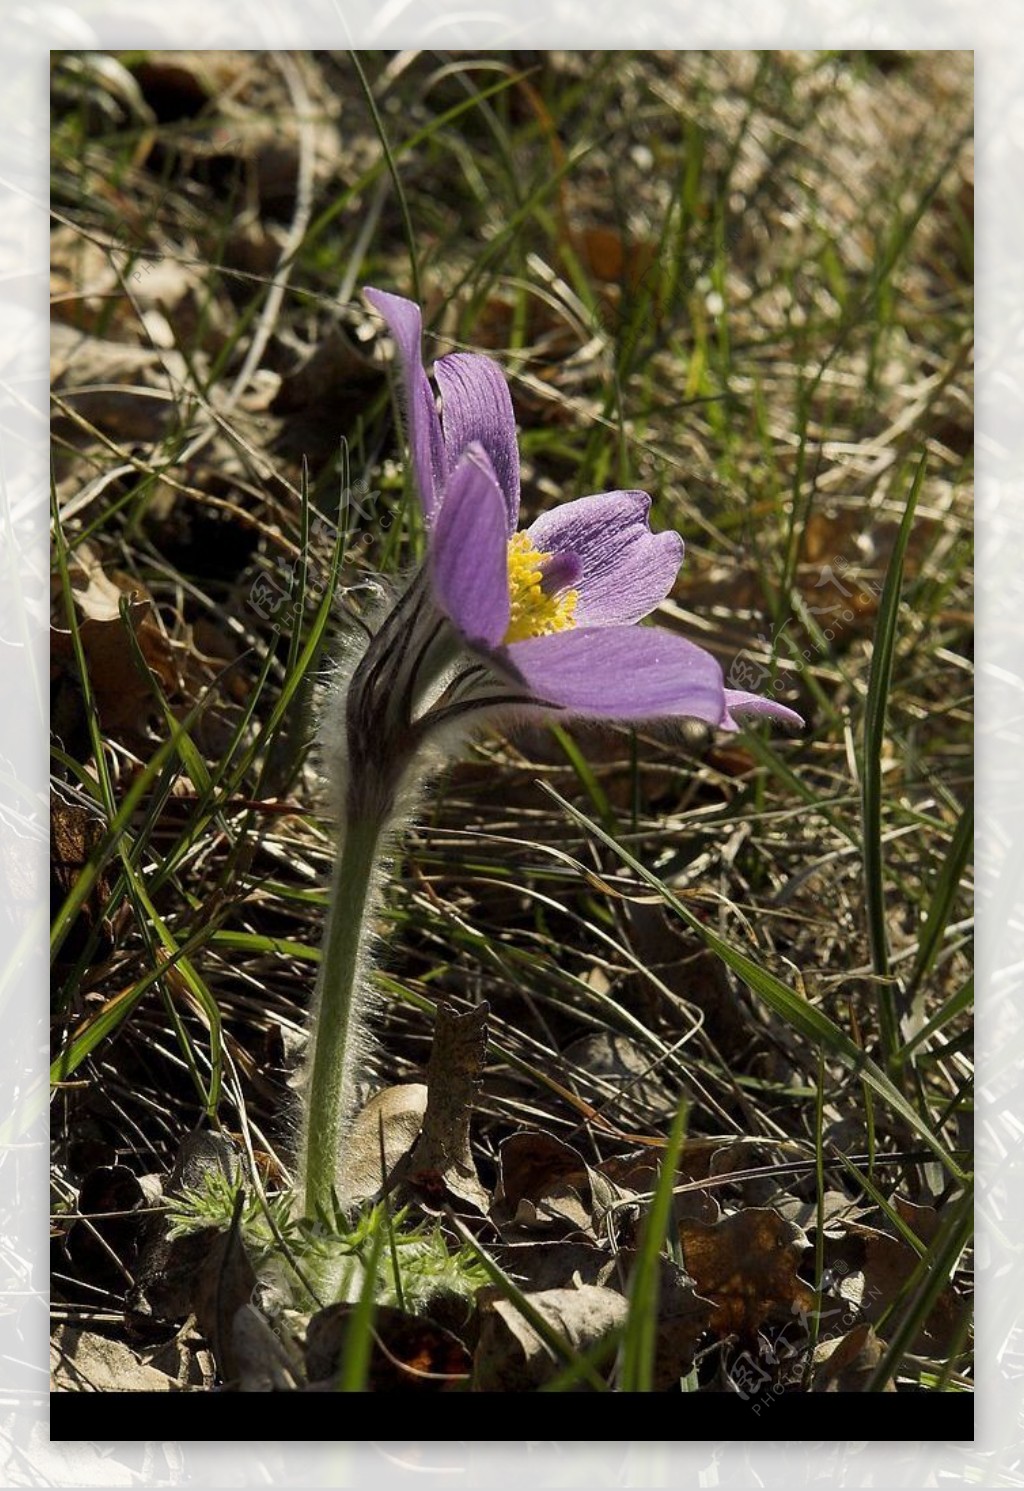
(440, 1168)
(545, 1184)
(746, 1266)
(875, 1270)
(387, 1126)
(845, 1365)
(511, 1357)
(123, 695)
(84, 1362)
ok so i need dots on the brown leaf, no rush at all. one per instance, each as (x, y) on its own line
(184, 1358)
(621, 1067)
(261, 1361)
(221, 1287)
(511, 1357)
(923, 1221)
(545, 1183)
(84, 1362)
(165, 1270)
(874, 1268)
(101, 1244)
(537, 1266)
(124, 697)
(683, 1317)
(639, 1171)
(612, 258)
(746, 1265)
(396, 1113)
(440, 1167)
(845, 1365)
(74, 835)
(408, 1355)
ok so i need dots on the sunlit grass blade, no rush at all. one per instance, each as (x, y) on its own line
(929, 1279)
(357, 1349)
(875, 708)
(947, 1011)
(639, 1340)
(943, 896)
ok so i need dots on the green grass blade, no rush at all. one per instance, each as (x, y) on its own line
(943, 897)
(639, 1341)
(354, 1371)
(929, 1279)
(879, 683)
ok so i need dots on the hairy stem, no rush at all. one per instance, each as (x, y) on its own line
(336, 1031)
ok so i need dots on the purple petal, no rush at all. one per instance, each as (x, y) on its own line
(621, 673)
(627, 569)
(426, 443)
(469, 551)
(737, 702)
(477, 406)
(561, 572)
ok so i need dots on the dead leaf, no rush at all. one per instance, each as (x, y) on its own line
(440, 1167)
(746, 1265)
(836, 1209)
(511, 1357)
(683, 1317)
(845, 1365)
(545, 1183)
(184, 1358)
(102, 1243)
(923, 1221)
(75, 831)
(124, 697)
(222, 1285)
(621, 1067)
(84, 1362)
(261, 1361)
(538, 1266)
(409, 1354)
(397, 1114)
(873, 1268)
(612, 258)
(165, 1270)
(113, 386)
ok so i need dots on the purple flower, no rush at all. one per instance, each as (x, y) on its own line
(552, 610)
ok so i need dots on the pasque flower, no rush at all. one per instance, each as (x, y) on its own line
(543, 619)
(552, 609)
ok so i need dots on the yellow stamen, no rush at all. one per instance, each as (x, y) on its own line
(535, 612)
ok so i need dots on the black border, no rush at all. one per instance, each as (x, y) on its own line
(222, 1416)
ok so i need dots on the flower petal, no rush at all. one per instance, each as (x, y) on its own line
(426, 443)
(476, 405)
(469, 551)
(737, 702)
(621, 673)
(627, 569)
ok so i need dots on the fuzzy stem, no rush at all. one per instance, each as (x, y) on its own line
(336, 1026)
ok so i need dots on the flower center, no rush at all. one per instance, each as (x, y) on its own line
(537, 610)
